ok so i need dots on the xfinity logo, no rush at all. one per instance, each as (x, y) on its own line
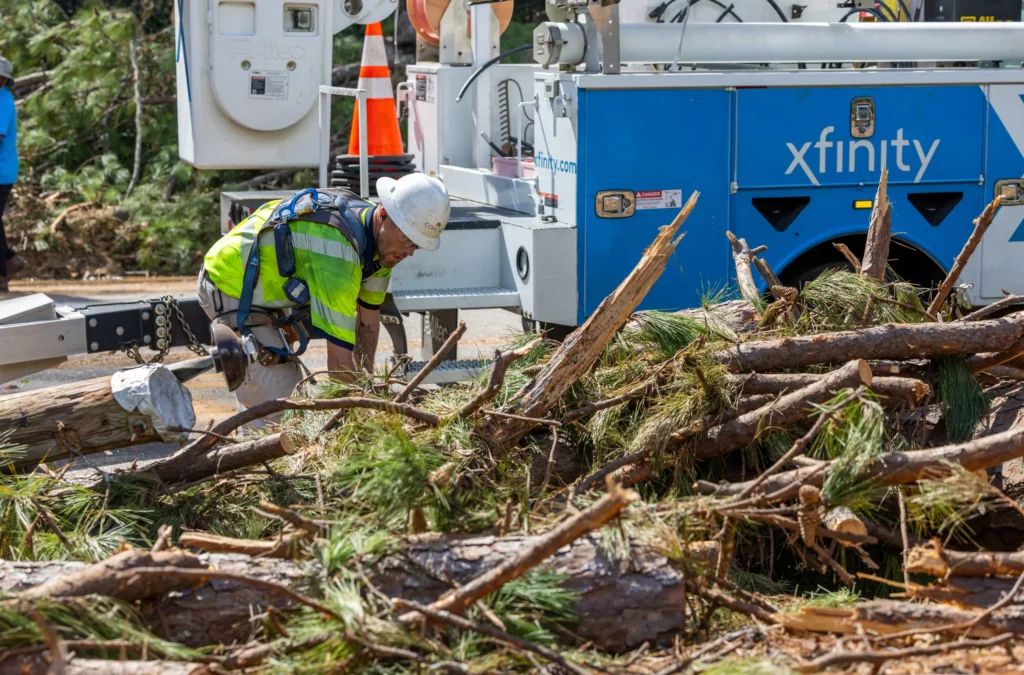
(830, 155)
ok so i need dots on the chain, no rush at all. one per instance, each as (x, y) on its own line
(132, 349)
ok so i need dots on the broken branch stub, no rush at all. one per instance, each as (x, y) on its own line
(876, 250)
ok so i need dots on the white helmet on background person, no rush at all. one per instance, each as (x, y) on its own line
(419, 205)
(6, 69)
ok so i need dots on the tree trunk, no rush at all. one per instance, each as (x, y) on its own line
(895, 468)
(186, 468)
(580, 350)
(131, 407)
(215, 612)
(892, 341)
(896, 390)
(789, 409)
(623, 602)
(888, 616)
(644, 586)
(876, 249)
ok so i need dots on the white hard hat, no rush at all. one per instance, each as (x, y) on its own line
(6, 69)
(419, 205)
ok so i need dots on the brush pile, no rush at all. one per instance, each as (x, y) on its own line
(713, 490)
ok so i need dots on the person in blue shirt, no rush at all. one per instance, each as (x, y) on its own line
(10, 262)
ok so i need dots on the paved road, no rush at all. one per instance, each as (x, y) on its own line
(486, 329)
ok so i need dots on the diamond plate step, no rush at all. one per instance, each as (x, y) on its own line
(483, 297)
(458, 370)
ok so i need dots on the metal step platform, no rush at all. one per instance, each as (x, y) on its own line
(485, 297)
(457, 370)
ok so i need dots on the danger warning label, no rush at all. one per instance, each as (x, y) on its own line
(272, 84)
(658, 199)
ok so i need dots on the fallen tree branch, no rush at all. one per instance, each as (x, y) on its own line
(933, 559)
(497, 379)
(995, 307)
(186, 467)
(849, 255)
(566, 532)
(788, 409)
(433, 363)
(981, 224)
(895, 389)
(286, 547)
(894, 468)
(891, 341)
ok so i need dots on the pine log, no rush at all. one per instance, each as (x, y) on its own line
(932, 559)
(215, 612)
(744, 276)
(622, 602)
(891, 341)
(889, 616)
(131, 407)
(577, 354)
(894, 468)
(895, 390)
(186, 467)
(876, 249)
(786, 410)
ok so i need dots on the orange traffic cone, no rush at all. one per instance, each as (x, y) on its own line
(383, 136)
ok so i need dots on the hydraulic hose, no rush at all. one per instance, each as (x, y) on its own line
(499, 57)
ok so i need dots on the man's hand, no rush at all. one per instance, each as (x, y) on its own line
(341, 363)
(367, 333)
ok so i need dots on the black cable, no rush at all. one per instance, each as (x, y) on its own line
(906, 10)
(917, 14)
(869, 10)
(678, 18)
(725, 13)
(499, 57)
(778, 11)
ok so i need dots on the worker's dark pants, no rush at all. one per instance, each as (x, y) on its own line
(5, 252)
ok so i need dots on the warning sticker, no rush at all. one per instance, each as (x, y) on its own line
(425, 88)
(269, 84)
(658, 199)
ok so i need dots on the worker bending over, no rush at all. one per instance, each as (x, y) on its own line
(323, 254)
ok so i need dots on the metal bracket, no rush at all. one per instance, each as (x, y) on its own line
(456, 47)
(606, 21)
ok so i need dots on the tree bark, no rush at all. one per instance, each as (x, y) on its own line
(622, 603)
(186, 468)
(744, 276)
(896, 390)
(876, 250)
(577, 354)
(87, 417)
(892, 341)
(889, 616)
(842, 519)
(215, 612)
(895, 468)
(786, 410)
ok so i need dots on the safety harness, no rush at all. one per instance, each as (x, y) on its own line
(320, 207)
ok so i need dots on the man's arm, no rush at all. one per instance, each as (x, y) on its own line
(367, 333)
